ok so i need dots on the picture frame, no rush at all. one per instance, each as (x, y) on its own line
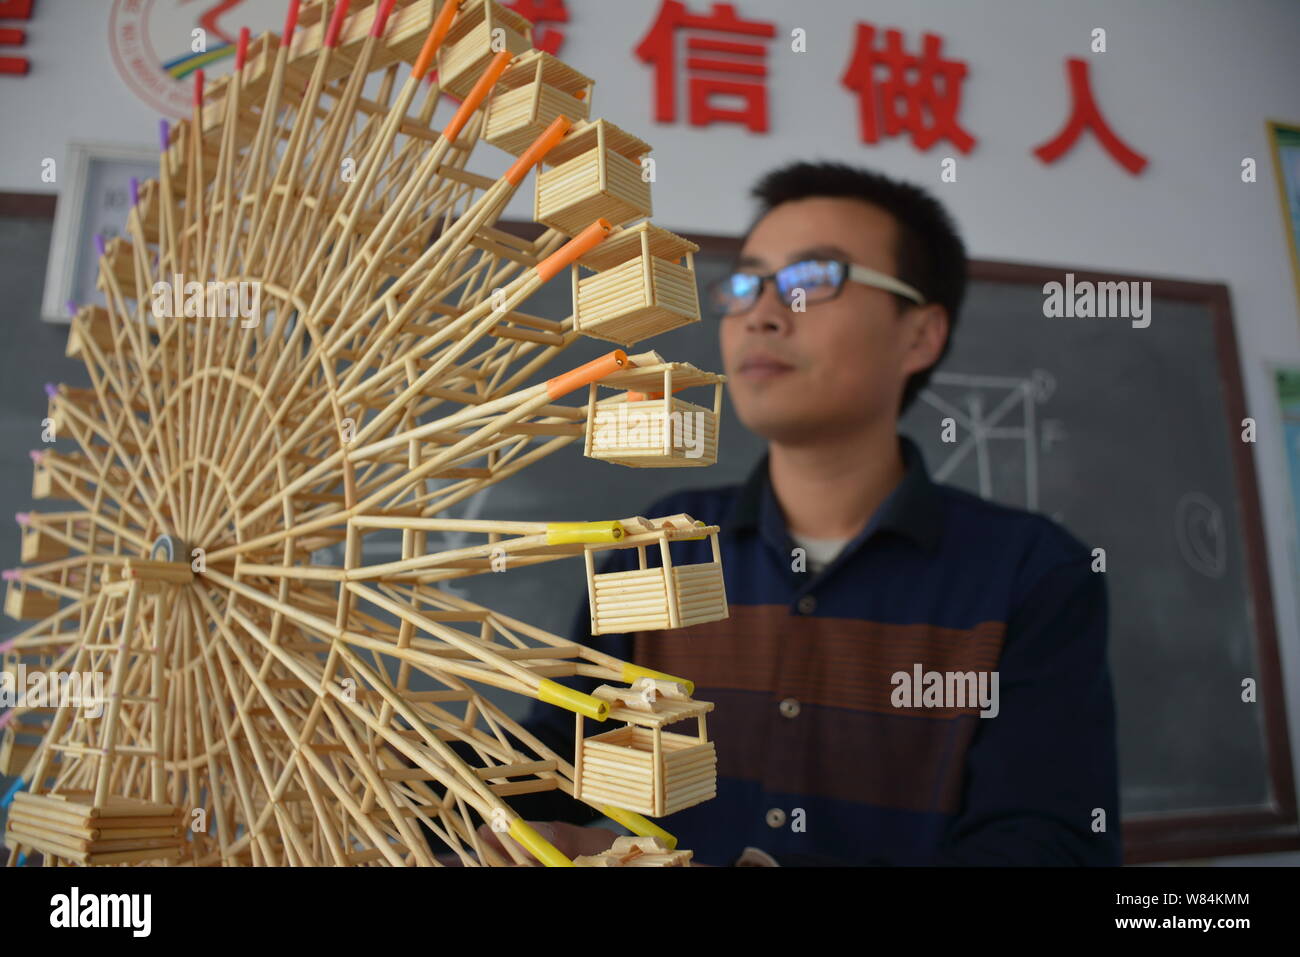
(94, 200)
(1284, 139)
(1284, 380)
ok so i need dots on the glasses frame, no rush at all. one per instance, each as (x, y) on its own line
(851, 272)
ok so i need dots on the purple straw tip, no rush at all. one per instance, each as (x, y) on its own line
(51, 389)
(37, 454)
(99, 244)
(135, 191)
(164, 134)
(72, 307)
(22, 518)
(10, 574)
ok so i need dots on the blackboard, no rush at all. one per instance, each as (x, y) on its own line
(1132, 437)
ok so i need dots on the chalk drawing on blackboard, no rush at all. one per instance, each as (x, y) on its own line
(1010, 402)
(1201, 534)
(1052, 431)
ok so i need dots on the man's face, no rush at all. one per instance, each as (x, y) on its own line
(839, 366)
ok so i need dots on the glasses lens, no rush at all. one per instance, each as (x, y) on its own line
(818, 278)
(736, 293)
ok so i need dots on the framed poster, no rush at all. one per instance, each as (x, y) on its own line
(1286, 382)
(1286, 161)
(94, 200)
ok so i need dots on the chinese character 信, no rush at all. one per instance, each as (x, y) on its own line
(743, 63)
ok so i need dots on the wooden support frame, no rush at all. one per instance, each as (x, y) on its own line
(382, 380)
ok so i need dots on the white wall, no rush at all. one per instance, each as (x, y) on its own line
(1188, 83)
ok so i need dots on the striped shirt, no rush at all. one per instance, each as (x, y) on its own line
(839, 735)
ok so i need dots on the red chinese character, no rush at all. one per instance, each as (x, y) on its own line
(911, 81)
(209, 20)
(658, 48)
(1086, 114)
(543, 11)
(16, 65)
(14, 10)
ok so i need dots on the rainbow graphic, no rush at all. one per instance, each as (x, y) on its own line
(182, 66)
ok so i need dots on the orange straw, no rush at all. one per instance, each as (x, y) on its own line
(574, 249)
(642, 396)
(538, 150)
(585, 374)
(477, 95)
(436, 35)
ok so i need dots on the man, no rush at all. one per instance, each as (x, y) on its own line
(849, 575)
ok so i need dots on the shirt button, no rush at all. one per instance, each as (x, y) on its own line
(790, 708)
(807, 605)
(775, 817)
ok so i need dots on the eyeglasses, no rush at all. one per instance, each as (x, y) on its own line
(819, 280)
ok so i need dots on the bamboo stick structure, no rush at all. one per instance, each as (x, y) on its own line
(596, 173)
(480, 29)
(642, 428)
(636, 852)
(644, 286)
(314, 345)
(118, 831)
(640, 766)
(536, 90)
(663, 597)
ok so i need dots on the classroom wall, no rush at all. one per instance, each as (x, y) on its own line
(1188, 83)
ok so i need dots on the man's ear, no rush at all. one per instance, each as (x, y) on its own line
(927, 333)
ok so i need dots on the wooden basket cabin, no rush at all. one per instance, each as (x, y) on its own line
(90, 324)
(640, 766)
(533, 92)
(644, 285)
(43, 481)
(13, 754)
(24, 602)
(669, 596)
(119, 830)
(636, 852)
(595, 172)
(470, 46)
(20, 739)
(645, 425)
(38, 544)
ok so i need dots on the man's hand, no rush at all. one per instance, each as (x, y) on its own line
(569, 839)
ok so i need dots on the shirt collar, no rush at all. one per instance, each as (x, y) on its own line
(913, 509)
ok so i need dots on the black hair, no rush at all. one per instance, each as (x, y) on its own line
(929, 251)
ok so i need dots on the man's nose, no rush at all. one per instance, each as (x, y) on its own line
(769, 314)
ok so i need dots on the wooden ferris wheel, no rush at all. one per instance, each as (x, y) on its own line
(261, 706)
